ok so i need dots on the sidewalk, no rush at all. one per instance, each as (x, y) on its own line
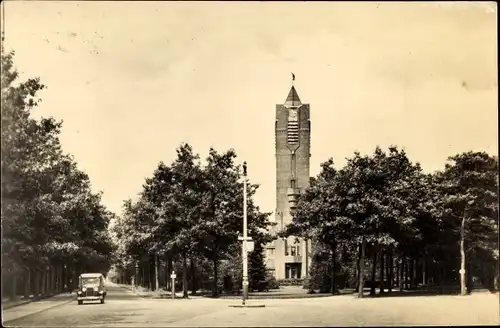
(16, 311)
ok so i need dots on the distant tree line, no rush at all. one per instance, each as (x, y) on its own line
(381, 222)
(53, 226)
(187, 219)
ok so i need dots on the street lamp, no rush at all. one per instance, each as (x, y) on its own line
(245, 236)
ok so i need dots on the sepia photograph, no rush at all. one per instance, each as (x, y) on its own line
(249, 164)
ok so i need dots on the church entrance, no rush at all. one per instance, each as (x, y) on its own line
(293, 270)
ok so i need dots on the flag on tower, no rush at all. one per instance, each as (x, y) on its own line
(293, 77)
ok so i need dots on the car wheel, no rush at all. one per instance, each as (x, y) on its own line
(80, 302)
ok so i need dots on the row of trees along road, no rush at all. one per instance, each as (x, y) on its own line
(53, 226)
(380, 221)
(187, 219)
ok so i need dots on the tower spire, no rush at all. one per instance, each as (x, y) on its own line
(293, 99)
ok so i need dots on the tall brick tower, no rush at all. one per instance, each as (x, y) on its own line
(290, 259)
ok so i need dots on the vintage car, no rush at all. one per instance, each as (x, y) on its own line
(91, 288)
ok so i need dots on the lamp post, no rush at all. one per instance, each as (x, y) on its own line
(245, 235)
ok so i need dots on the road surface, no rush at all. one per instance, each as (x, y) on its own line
(125, 309)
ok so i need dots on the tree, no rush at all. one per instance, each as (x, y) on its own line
(52, 222)
(320, 271)
(318, 216)
(256, 267)
(193, 212)
(366, 202)
(223, 208)
(470, 186)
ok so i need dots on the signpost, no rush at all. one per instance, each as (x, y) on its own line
(173, 276)
(250, 245)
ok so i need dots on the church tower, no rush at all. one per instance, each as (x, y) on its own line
(290, 259)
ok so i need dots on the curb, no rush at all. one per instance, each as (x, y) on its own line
(18, 304)
(275, 297)
(28, 302)
(39, 311)
(247, 306)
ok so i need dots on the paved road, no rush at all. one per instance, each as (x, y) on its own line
(124, 309)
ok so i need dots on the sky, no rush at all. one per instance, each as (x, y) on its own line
(133, 80)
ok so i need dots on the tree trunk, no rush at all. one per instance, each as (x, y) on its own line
(169, 272)
(36, 285)
(137, 273)
(470, 281)
(413, 274)
(215, 283)
(13, 291)
(390, 261)
(402, 273)
(398, 269)
(374, 270)
(496, 279)
(64, 277)
(194, 285)
(47, 282)
(59, 278)
(143, 276)
(362, 268)
(358, 268)
(54, 277)
(386, 268)
(463, 287)
(440, 277)
(407, 273)
(382, 267)
(27, 284)
(151, 272)
(424, 268)
(43, 289)
(166, 274)
(50, 283)
(184, 276)
(332, 277)
(157, 284)
(76, 273)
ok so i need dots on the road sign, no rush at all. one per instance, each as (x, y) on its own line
(245, 283)
(462, 271)
(173, 275)
(250, 246)
(242, 238)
